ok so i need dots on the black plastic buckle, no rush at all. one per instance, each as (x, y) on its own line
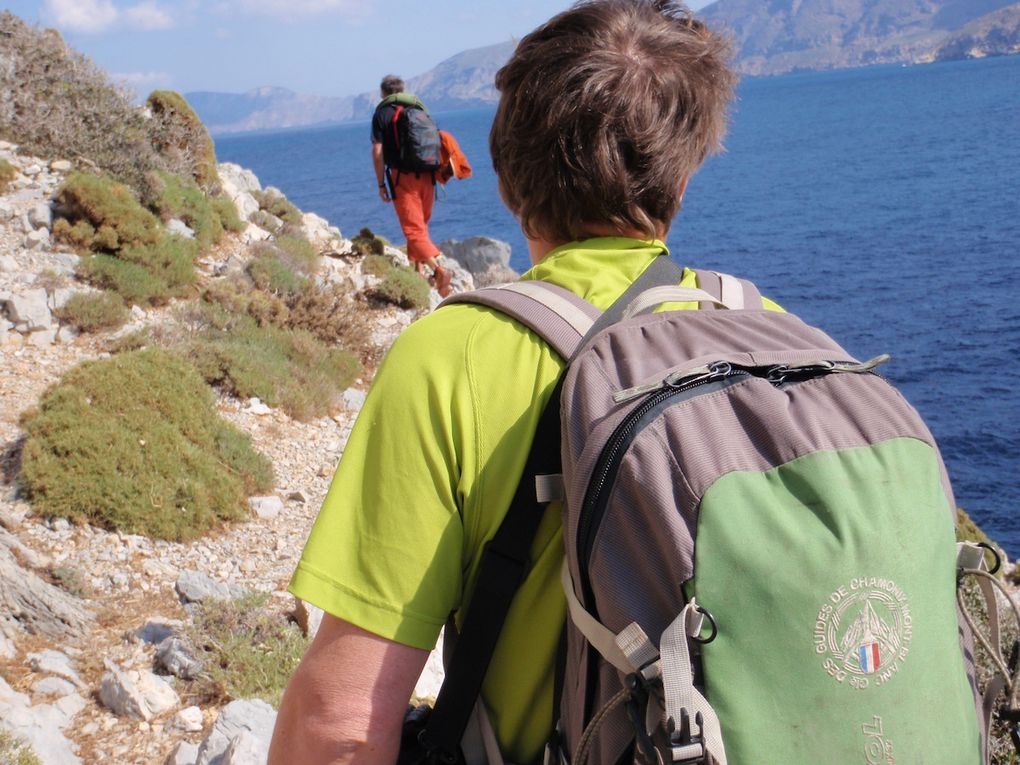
(684, 737)
(637, 710)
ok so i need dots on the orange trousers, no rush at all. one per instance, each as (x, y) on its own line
(413, 203)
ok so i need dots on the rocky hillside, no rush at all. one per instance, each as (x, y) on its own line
(798, 35)
(98, 658)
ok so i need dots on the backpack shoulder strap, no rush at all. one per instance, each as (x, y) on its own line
(729, 290)
(555, 314)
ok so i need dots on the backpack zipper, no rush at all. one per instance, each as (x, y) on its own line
(674, 388)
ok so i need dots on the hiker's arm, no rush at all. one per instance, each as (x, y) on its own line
(346, 701)
(380, 171)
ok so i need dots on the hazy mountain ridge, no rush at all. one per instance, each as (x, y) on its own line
(771, 37)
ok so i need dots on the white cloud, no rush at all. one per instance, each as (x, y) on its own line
(82, 15)
(147, 16)
(96, 16)
(142, 80)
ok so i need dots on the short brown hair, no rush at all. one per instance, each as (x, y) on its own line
(603, 111)
(391, 84)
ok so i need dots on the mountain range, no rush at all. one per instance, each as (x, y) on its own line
(770, 37)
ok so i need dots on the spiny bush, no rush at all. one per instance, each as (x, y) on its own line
(230, 219)
(93, 312)
(335, 318)
(58, 103)
(181, 140)
(402, 287)
(237, 295)
(376, 265)
(271, 274)
(290, 369)
(367, 243)
(177, 199)
(134, 443)
(135, 255)
(273, 202)
(14, 751)
(248, 651)
(7, 174)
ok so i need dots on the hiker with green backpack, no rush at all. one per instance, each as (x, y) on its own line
(663, 520)
(407, 155)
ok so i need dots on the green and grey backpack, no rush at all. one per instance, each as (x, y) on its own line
(761, 564)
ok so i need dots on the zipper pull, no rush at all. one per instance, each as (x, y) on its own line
(671, 380)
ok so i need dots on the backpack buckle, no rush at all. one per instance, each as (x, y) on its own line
(688, 748)
(637, 711)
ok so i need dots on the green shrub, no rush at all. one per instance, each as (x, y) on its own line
(177, 199)
(93, 312)
(146, 276)
(14, 751)
(376, 265)
(403, 287)
(247, 650)
(58, 103)
(132, 341)
(266, 221)
(367, 243)
(273, 275)
(335, 318)
(134, 443)
(7, 174)
(299, 254)
(112, 212)
(290, 369)
(274, 203)
(181, 140)
(226, 210)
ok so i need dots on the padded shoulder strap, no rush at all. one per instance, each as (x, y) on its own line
(556, 314)
(731, 291)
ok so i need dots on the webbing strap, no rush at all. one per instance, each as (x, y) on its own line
(601, 638)
(682, 699)
(504, 565)
(733, 292)
(658, 295)
(557, 315)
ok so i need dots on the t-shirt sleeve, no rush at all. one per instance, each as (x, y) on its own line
(386, 551)
(378, 125)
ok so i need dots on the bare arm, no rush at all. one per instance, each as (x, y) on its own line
(377, 162)
(347, 699)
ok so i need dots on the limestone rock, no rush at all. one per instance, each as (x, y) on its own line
(40, 607)
(188, 720)
(55, 663)
(185, 753)
(41, 726)
(8, 264)
(307, 616)
(53, 686)
(61, 166)
(37, 240)
(39, 216)
(256, 407)
(156, 630)
(255, 717)
(196, 587)
(31, 309)
(179, 227)
(239, 177)
(488, 260)
(173, 656)
(135, 693)
(266, 507)
(354, 399)
(244, 749)
(246, 205)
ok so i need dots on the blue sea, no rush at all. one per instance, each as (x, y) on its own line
(881, 204)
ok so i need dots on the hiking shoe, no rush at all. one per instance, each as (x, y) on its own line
(443, 279)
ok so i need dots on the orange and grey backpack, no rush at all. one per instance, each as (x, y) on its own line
(761, 565)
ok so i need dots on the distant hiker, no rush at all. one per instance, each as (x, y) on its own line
(809, 490)
(406, 154)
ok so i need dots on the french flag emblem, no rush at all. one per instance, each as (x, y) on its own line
(868, 657)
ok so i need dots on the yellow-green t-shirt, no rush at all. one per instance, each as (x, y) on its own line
(428, 474)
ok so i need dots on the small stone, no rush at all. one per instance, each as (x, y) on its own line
(158, 629)
(325, 471)
(189, 720)
(61, 166)
(135, 693)
(53, 686)
(138, 312)
(37, 240)
(40, 216)
(185, 753)
(8, 264)
(297, 496)
(56, 663)
(354, 399)
(32, 170)
(307, 616)
(179, 227)
(195, 587)
(90, 729)
(266, 508)
(173, 656)
(256, 407)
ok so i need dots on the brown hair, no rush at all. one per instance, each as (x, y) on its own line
(391, 84)
(604, 110)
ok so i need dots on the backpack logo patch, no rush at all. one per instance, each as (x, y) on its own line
(864, 632)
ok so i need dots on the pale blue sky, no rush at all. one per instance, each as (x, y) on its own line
(325, 47)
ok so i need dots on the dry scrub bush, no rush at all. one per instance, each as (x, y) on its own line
(56, 102)
(134, 443)
(135, 256)
(93, 312)
(285, 368)
(247, 650)
(181, 140)
(174, 198)
(335, 318)
(402, 287)
(367, 243)
(7, 174)
(15, 751)
(274, 203)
